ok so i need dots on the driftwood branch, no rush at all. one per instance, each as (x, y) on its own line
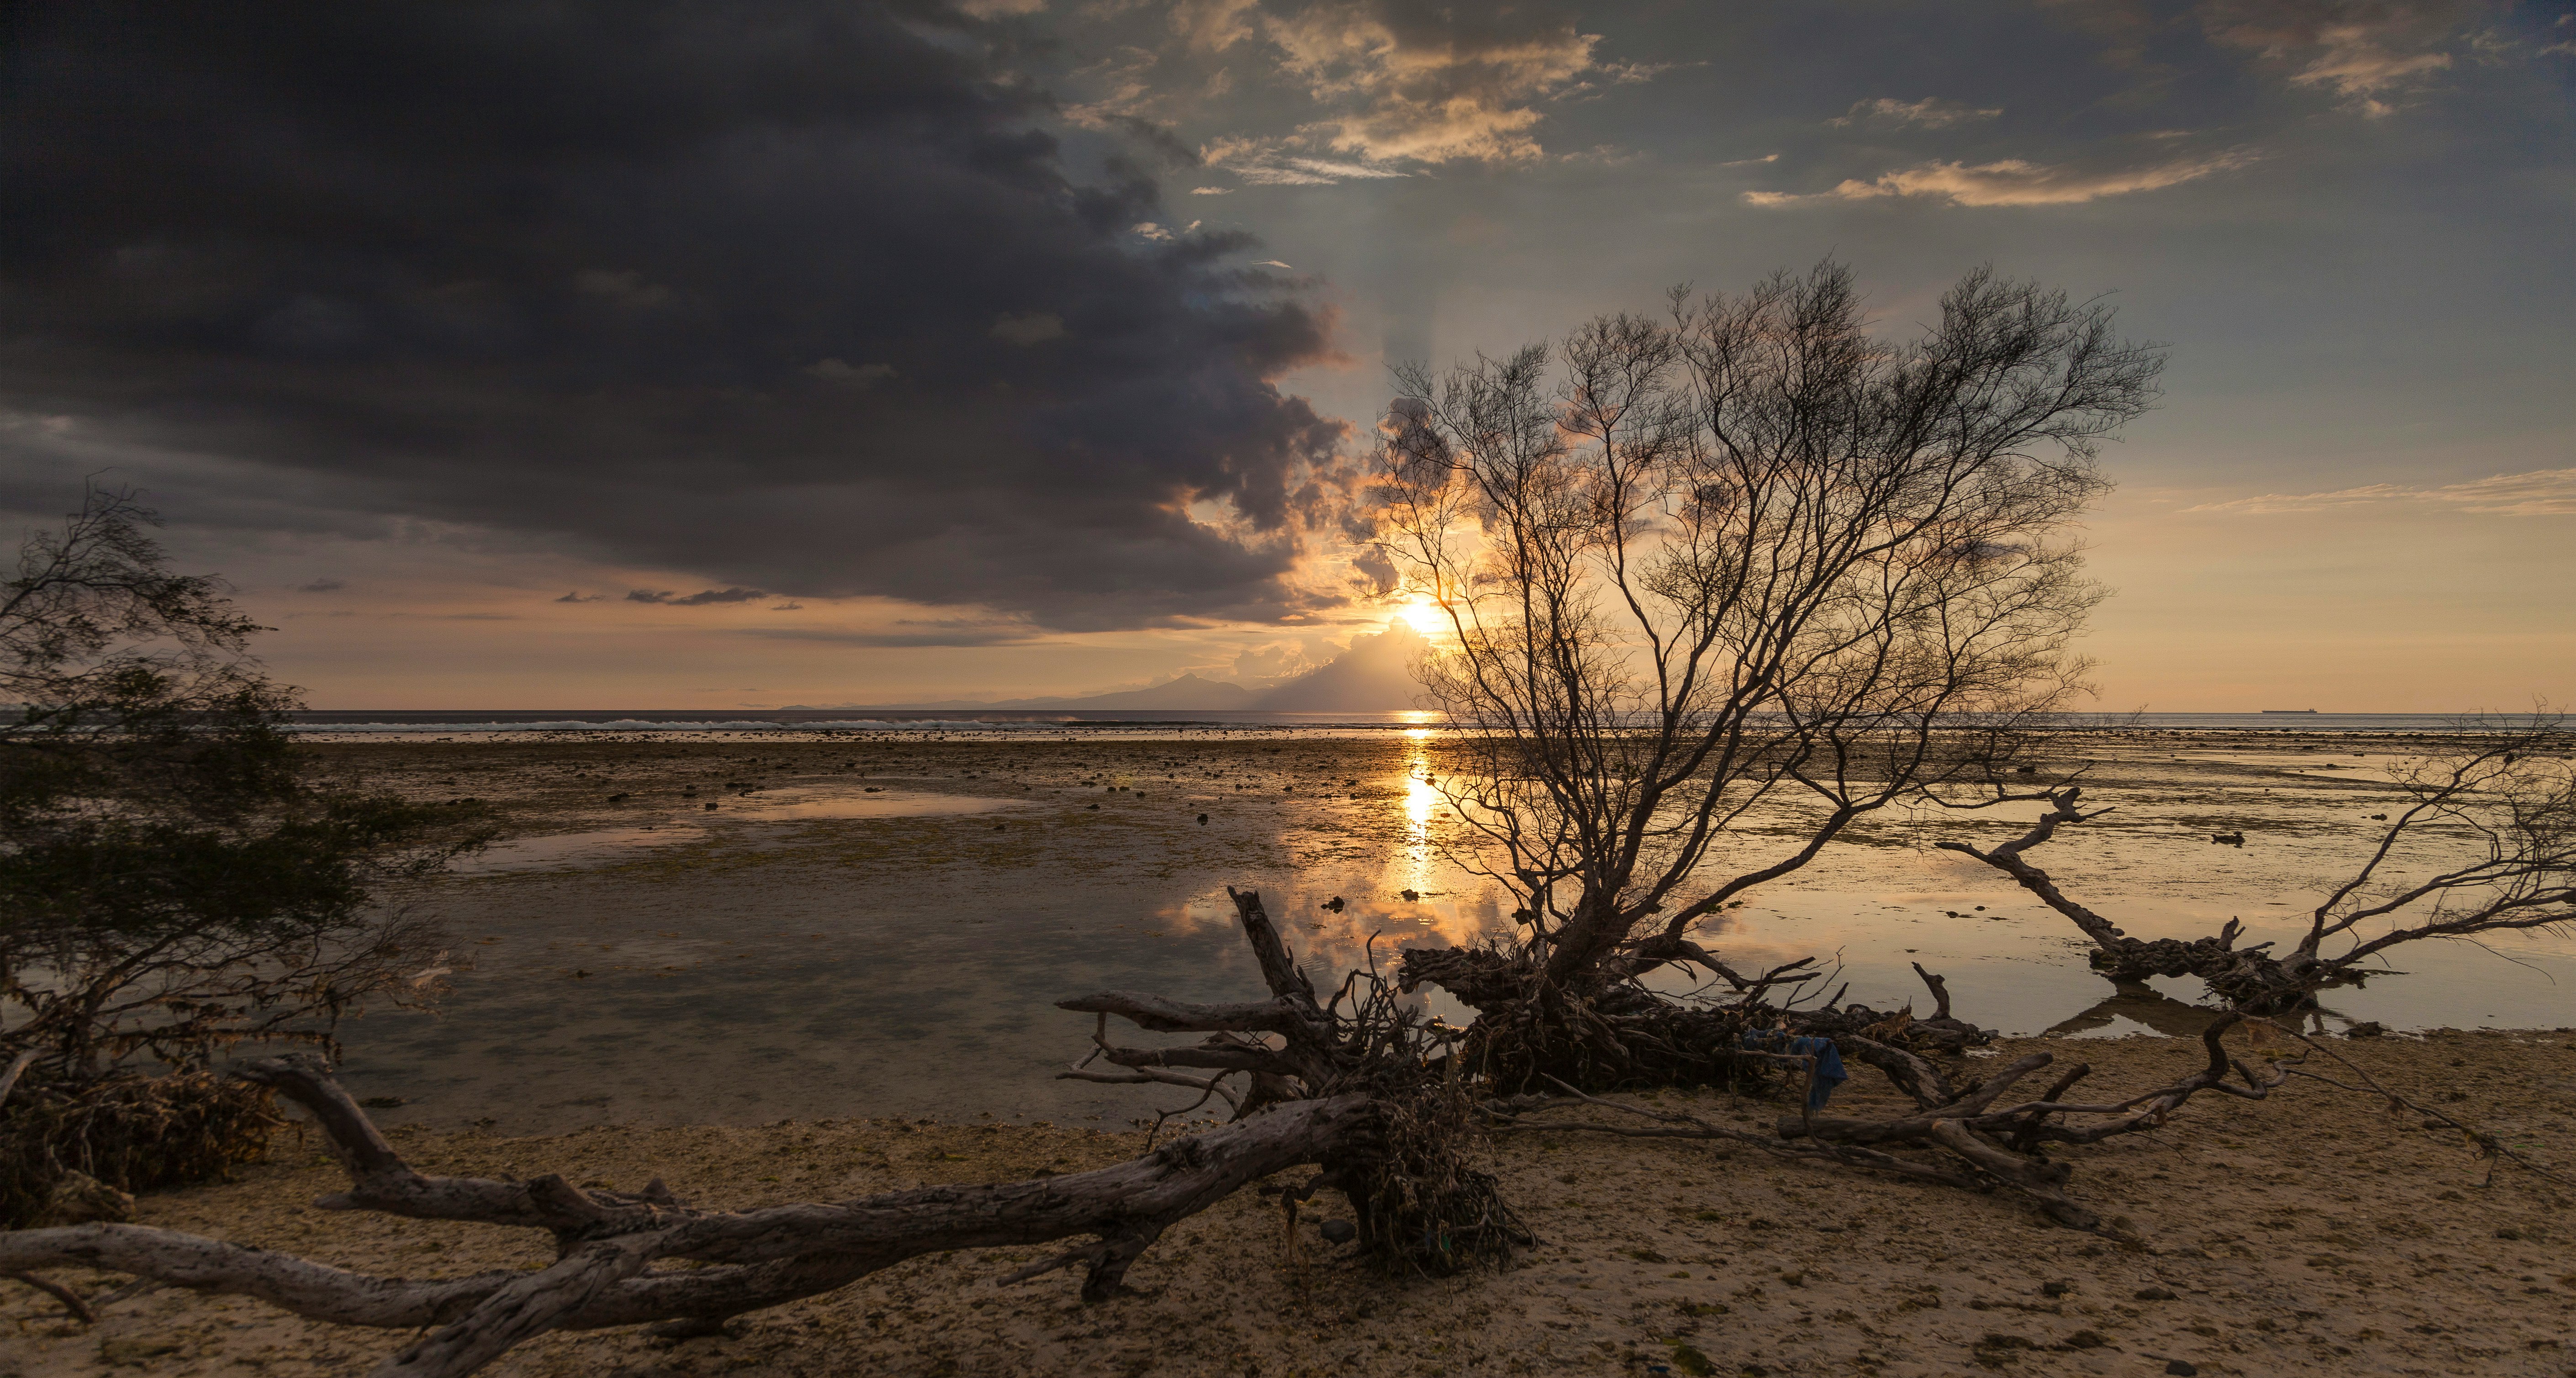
(2498, 812)
(759, 1258)
(17, 1068)
(607, 1242)
(71, 1300)
(1978, 1139)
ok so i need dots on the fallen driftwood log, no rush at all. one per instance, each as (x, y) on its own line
(647, 1257)
(609, 1243)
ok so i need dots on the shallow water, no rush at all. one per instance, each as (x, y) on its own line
(816, 950)
(734, 816)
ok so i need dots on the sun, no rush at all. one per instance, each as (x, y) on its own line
(1423, 615)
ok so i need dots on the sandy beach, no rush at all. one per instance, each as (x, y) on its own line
(2312, 1234)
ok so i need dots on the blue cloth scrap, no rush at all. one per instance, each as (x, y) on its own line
(1829, 1060)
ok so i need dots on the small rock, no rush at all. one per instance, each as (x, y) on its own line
(2156, 1294)
(2365, 1029)
(711, 808)
(1202, 820)
(2179, 1367)
(383, 1102)
(1339, 1231)
(1410, 894)
(2055, 1289)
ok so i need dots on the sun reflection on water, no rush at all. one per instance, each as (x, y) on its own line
(1422, 803)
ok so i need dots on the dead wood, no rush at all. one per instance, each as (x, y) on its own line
(1974, 1139)
(2485, 843)
(1418, 1201)
(1351, 1091)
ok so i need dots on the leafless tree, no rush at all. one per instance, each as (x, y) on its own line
(1745, 557)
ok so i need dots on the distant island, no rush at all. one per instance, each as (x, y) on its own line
(2289, 710)
(1374, 676)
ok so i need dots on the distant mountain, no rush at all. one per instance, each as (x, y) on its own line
(1189, 691)
(1374, 676)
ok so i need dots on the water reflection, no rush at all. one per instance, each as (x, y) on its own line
(811, 981)
(607, 846)
(1422, 802)
(2134, 1007)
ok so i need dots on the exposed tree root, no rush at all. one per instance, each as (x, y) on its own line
(1530, 1033)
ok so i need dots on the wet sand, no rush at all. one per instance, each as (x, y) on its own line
(812, 949)
(2311, 1234)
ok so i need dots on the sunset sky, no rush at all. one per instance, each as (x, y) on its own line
(739, 355)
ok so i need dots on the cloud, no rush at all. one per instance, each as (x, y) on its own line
(624, 288)
(1400, 79)
(577, 596)
(2014, 182)
(1274, 162)
(699, 599)
(1274, 263)
(909, 633)
(1211, 191)
(591, 274)
(1931, 112)
(2539, 493)
(841, 374)
(1038, 327)
(322, 586)
(1213, 25)
(1639, 73)
(2373, 53)
(1753, 162)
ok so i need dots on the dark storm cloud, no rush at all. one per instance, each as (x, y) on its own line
(906, 635)
(788, 295)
